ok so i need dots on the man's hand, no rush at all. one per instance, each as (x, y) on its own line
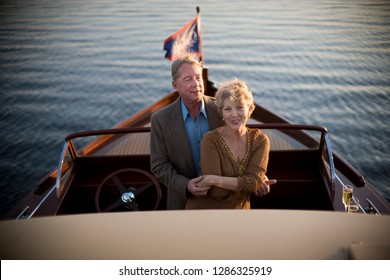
(196, 190)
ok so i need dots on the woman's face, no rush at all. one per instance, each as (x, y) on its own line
(235, 114)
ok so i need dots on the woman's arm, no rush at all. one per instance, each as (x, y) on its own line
(211, 161)
(227, 183)
(253, 177)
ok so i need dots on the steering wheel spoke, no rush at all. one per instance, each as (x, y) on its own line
(143, 188)
(113, 206)
(119, 184)
(132, 205)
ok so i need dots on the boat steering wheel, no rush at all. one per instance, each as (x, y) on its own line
(113, 195)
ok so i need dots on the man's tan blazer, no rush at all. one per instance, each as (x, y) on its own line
(170, 153)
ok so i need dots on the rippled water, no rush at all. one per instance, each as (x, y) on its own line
(70, 65)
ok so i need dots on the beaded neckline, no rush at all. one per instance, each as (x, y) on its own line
(240, 164)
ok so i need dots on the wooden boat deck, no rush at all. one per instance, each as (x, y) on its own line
(131, 144)
(139, 144)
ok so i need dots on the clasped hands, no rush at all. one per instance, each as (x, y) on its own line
(199, 186)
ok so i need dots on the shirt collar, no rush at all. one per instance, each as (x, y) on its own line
(186, 112)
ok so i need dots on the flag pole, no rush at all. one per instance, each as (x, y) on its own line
(199, 34)
(205, 75)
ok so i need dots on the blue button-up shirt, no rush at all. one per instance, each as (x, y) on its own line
(195, 129)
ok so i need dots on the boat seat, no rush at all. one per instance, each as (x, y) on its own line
(300, 184)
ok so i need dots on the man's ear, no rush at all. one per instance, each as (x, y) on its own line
(174, 84)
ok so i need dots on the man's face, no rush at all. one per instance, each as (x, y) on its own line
(189, 84)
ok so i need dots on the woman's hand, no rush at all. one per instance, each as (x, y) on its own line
(265, 187)
(207, 181)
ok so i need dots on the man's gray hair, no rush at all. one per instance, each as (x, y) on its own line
(177, 63)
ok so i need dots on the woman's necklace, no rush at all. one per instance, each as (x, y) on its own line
(240, 164)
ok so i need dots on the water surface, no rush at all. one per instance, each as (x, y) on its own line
(67, 66)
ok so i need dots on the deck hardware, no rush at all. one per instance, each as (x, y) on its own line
(23, 215)
(372, 207)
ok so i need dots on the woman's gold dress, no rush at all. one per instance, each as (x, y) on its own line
(217, 159)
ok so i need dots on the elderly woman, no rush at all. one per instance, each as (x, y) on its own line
(233, 157)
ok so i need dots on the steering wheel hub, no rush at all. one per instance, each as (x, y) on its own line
(127, 197)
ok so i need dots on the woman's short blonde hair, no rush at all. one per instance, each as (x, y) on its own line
(237, 91)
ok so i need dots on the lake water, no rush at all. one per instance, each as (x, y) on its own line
(67, 66)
